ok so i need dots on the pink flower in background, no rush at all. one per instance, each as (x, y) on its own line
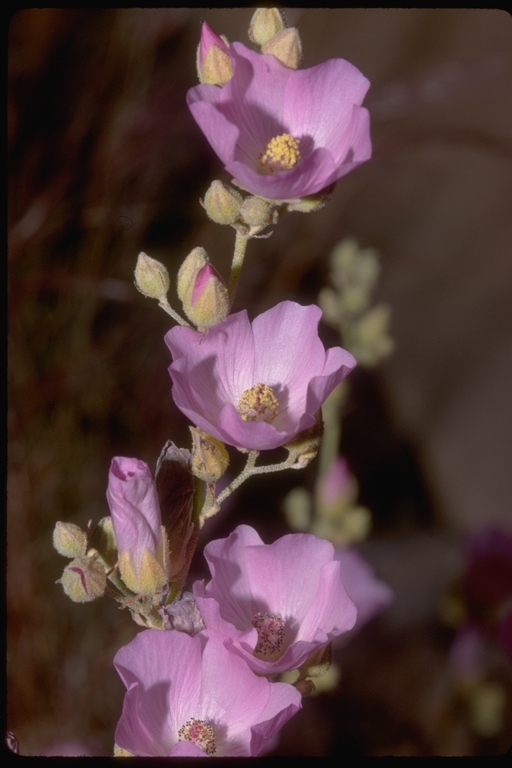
(256, 385)
(370, 595)
(284, 133)
(277, 603)
(191, 696)
(337, 486)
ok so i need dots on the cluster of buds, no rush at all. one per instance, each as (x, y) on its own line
(269, 30)
(85, 578)
(346, 306)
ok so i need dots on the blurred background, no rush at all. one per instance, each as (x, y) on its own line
(106, 161)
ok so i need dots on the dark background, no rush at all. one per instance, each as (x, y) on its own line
(106, 161)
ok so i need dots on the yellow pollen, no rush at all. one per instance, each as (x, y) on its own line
(281, 153)
(258, 404)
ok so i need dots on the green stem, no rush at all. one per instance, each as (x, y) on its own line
(236, 265)
(244, 474)
(170, 311)
(248, 471)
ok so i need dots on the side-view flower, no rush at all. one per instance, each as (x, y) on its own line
(277, 603)
(191, 696)
(283, 133)
(256, 385)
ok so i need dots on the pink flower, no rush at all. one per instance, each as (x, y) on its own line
(191, 696)
(135, 511)
(336, 485)
(256, 385)
(277, 603)
(285, 133)
(370, 595)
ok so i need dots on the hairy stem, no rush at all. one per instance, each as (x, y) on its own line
(236, 265)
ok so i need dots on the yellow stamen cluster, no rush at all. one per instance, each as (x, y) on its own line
(258, 404)
(280, 154)
(200, 734)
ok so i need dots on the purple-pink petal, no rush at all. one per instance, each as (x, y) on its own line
(134, 506)
(173, 678)
(296, 578)
(280, 349)
(370, 595)
(321, 107)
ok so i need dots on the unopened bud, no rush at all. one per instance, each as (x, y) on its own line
(317, 663)
(257, 212)
(304, 447)
(103, 539)
(286, 47)
(210, 458)
(121, 752)
(84, 579)
(222, 204)
(214, 66)
(202, 290)
(151, 277)
(69, 540)
(265, 24)
(311, 203)
(175, 487)
(148, 578)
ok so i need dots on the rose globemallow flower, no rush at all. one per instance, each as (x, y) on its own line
(135, 511)
(369, 594)
(276, 603)
(283, 133)
(191, 696)
(256, 385)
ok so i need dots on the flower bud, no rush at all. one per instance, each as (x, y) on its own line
(210, 458)
(151, 277)
(311, 203)
(69, 540)
(286, 47)
(84, 579)
(121, 752)
(202, 291)
(222, 204)
(103, 539)
(317, 663)
(214, 66)
(257, 212)
(146, 577)
(304, 447)
(368, 338)
(265, 24)
(175, 487)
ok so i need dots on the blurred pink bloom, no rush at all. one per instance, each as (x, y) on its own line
(336, 484)
(318, 110)
(488, 583)
(370, 595)
(191, 696)
(256, 385)
(468, 654)
(134, 507)
(277, 603)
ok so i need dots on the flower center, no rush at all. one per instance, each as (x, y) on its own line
(270, 635)
(258, 404)
(280, 154)
(200, 734)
